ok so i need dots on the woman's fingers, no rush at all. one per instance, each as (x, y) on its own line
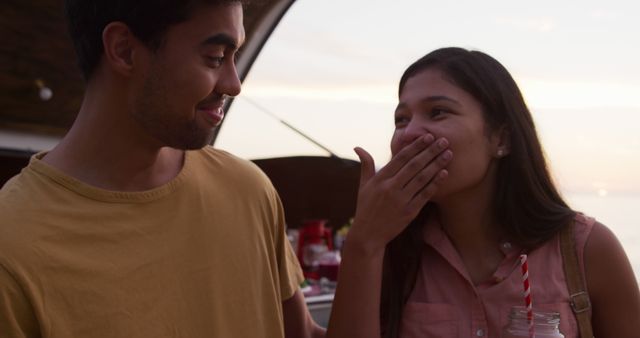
(390, 198)
(423, 196)
(428, 174)
(367, 165)
(414, 169)
(405, 155)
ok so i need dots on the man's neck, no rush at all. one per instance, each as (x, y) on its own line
(107, 149)
(128, 170)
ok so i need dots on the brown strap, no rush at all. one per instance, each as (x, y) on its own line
(579, 298)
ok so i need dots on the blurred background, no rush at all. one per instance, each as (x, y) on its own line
(326, 81)
(331, 70)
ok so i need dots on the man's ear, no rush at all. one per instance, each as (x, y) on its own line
(119, 44)
(502, 141)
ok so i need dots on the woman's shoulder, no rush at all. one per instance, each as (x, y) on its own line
(583, 226)
(601, 247)
(584, 222)
(611, 282)
(593, 236)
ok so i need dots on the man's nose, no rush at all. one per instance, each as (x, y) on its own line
(229, 82)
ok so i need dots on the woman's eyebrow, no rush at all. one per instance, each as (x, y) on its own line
(440, 98)
(430, 99)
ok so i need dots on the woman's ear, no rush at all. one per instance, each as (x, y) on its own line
(118, 43)
(501, 142)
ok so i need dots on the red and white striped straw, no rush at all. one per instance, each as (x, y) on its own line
(527, 293)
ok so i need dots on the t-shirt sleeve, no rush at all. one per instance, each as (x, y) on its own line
(17, 318)
(288, 266)
(290, 273)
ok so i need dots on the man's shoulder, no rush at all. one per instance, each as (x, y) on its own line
(225, 161)
(24, 199)
(216, 154)
(15, 214)
(14, 196)
(224, 168)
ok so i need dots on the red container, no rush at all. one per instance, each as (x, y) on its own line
(313, 240)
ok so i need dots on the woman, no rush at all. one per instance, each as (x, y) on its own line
(435, 244)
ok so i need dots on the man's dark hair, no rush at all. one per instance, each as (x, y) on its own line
(147, 19)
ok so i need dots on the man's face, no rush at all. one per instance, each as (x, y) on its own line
(178, 97)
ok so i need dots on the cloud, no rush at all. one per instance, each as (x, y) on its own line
(384, 94)
(568, 95)
(602, 14)
(543, 25)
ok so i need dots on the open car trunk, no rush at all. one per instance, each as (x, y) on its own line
(37, 53)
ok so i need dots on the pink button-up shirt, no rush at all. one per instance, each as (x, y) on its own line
(445, 303)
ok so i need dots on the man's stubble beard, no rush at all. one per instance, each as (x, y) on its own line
(152, 111)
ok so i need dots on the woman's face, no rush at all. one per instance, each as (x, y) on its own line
(430, 103)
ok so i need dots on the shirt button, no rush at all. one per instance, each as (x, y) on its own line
(480, 333)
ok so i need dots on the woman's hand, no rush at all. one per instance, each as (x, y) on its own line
(390, 199)
(387, 202)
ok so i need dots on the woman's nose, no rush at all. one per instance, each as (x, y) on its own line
(412, 131)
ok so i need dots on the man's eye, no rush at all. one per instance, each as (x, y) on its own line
(215, 61)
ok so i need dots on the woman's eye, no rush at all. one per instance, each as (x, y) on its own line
(437, 112)
(401, 121)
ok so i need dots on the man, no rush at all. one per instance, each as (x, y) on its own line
(132, 226)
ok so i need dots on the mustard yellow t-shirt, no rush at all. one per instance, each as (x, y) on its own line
(204, 255)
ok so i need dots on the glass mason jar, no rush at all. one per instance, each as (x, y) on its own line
(545, 324)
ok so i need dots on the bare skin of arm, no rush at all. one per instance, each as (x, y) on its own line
(387, 202)
(297, 319)
(612, 286)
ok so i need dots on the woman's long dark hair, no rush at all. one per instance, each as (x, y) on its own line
(527, 203)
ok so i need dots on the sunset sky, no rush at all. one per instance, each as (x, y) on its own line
(331, 69)
(332, 66)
